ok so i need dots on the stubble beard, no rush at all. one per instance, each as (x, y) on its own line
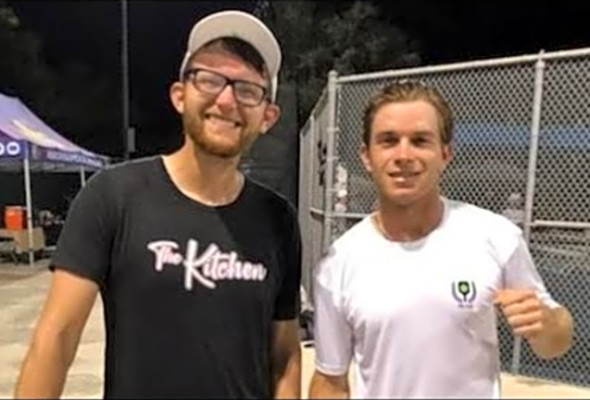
(195, 130)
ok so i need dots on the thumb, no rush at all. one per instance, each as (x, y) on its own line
(508, 296)
(502, 296)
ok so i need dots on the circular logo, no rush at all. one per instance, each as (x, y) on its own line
(13, 148)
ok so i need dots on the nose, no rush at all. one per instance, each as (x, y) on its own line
(226, 98)
(404, 151)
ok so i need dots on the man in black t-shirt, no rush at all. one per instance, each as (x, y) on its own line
(198, 267)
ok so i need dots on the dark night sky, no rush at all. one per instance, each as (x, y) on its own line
(446, 31)
(463, 30)
(90, 31)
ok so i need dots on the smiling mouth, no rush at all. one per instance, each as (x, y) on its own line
(218, 118)
(403, 175)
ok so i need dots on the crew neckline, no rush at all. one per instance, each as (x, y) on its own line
(161, 167)
(412, 244)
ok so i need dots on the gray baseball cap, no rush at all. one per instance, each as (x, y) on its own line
(240, 25)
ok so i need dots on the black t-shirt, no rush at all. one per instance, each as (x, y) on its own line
(190, 292)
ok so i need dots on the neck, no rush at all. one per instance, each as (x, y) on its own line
(203, 177)
(405, 223)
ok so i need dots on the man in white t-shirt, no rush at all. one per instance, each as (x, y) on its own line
(410, 293)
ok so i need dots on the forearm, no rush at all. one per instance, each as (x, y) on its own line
(44, 370)
(287, 377)
(323, 387)
(556, 337)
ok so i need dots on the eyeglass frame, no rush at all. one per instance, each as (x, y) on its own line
(191, 73)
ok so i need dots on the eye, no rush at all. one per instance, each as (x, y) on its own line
(247, 91)
(387, 139)
(421, 141)
(209, 82)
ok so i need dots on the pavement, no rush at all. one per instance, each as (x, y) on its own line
(22, 293)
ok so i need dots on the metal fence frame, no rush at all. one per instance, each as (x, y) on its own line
(319, 158)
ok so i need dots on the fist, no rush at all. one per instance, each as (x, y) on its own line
(524, 312)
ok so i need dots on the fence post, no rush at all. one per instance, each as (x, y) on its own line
(305, 200)
(329, 171)
(532, 169)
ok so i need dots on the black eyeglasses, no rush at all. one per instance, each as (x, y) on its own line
(248, 94)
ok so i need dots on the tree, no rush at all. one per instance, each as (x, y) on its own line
(75, 100)
(23, 73)
(316, 37)
(83, 107)
(349, 37)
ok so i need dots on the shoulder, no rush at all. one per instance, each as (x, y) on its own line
(130, 170)
(272, 201)
(498, 233)
(124, 176)
(475, 216)
(107, 188)
(334, 262)
(354, 239)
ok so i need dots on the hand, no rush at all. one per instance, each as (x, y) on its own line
(523, 310)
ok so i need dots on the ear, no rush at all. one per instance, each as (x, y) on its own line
(177, 96)
(271, 115)
(365, 158)
(447, 154)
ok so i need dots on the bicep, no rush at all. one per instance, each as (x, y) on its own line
(520, 272)
(285, 338)
(287, 301)
(332, 333)
(286, 359)
(69, 302)
(85, 242)
(329, 386)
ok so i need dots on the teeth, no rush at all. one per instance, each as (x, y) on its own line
(404, 175)
(225, 120)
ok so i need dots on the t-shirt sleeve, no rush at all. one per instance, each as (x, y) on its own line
(520, 273)
(84, 244)
(288, 302)
(333, 334)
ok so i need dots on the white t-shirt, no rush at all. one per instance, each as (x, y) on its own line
(418, 317)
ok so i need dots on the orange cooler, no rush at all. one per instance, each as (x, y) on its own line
(14, 217)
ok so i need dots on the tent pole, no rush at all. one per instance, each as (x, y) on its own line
(29, 200)
(82, 177)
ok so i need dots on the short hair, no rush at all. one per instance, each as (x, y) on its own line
(410, 90)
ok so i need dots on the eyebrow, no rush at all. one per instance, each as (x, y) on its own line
(424, 133)
(386, 133)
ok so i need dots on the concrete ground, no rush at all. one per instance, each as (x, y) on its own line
(23, 290)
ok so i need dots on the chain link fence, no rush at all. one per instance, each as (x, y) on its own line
(522, 146)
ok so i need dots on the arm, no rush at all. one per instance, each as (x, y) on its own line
(549, 330)
(285, 345)
(286, 360)
(80, 266)
(56, 336)
(530, 310)
(332, 332)
(329, 387)
(556, 336)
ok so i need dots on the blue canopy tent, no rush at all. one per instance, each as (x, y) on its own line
(28, 144)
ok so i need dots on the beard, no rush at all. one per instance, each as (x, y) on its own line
(215, 143)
